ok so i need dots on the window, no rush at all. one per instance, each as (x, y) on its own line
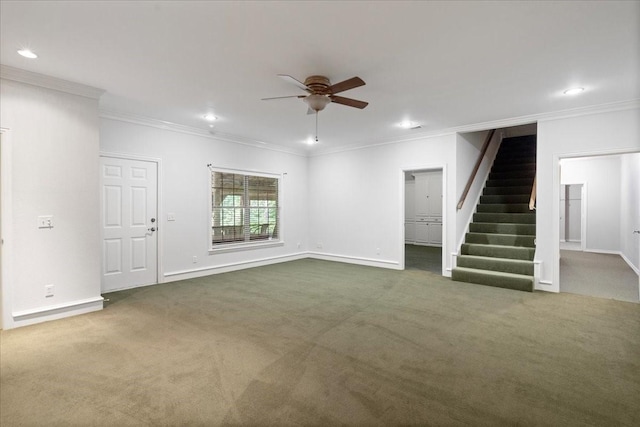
(244, 209)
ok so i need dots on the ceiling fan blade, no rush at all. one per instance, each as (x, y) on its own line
(288, 78)
(349, 102)
(346, 85)
(282, 97)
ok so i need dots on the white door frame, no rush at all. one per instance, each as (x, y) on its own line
(445, 240)
(160, 215)
(6, 318)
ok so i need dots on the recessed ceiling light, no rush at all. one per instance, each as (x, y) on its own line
(573, 91)
(27, 53)
(210, 117)
(311, 141)
(408, 124)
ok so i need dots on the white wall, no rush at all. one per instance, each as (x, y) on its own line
(601, 174)
(356, 205)
(598, 133)
(630, 215)
(468, 149)
(184, 184)
(54, 138)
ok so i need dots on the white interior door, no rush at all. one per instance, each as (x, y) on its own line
(129, 223)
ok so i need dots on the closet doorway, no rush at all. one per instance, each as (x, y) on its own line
(423, 222)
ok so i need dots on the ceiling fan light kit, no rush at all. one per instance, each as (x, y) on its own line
(322, 92)
(317, 102)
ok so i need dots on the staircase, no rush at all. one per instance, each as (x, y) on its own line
(500, 245)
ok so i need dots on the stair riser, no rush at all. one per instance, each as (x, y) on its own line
(513, 174)
(507, 167)
(512, 159)
(513, 182)
(505, 198)
(523, 153)
(506, 266)
(510, 218)
(500, 239)
(504, 208)
(521, 253)
(495, 191)
(501, 228)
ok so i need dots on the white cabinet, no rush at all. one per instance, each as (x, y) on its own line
(409, 232)
(423, 209)
(435, 233)
(428, 194)
(422, 232)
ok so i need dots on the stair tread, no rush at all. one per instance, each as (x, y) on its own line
(494, 273)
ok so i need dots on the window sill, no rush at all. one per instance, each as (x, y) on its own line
(236, 247)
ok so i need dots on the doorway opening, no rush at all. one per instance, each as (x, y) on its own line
(599, 211)
(572, 217)
(423, 222)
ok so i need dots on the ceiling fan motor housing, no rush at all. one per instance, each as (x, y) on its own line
(318, 85)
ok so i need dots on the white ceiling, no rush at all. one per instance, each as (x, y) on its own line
(442, 64)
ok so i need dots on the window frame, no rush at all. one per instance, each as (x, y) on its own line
(247, 244)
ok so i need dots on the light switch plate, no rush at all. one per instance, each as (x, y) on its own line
(171, 217)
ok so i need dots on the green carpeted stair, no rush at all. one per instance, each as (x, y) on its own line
(500, 245)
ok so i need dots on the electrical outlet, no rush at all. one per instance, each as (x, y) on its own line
(171, 217)
(195, 259)
(48, 291)
(45, 221)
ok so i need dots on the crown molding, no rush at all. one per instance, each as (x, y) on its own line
(35, 79)
(184, 129)
(496, 124)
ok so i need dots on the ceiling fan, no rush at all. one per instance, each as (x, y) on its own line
(321, 92)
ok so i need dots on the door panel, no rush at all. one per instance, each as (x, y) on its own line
(129, 211)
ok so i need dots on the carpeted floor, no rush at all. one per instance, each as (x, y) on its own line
(318, 343)
(599, 275)
(426, 258)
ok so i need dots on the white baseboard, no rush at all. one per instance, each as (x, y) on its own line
(602, 251)
(60, 311)
(355, 260)
(174, 276)
(630, 264)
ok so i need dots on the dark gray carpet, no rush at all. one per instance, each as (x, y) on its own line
(426, 258)
(599, 275)
(319, 343)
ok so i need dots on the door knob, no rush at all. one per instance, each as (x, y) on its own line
(152, 229)
(636, 231)
(153, 220)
